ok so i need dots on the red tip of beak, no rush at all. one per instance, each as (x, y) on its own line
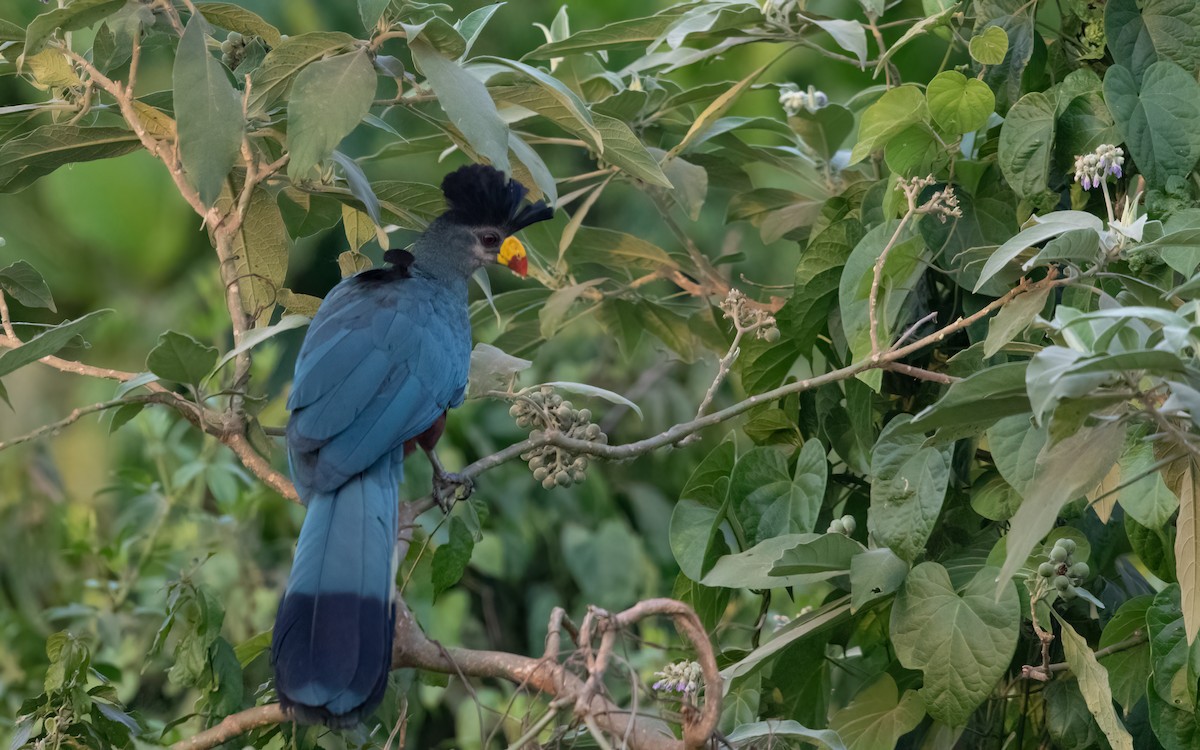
(519, 265)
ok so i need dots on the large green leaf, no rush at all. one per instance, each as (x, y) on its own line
(79, 14)
(976, 402)
(616, 250)
(260, 252)
(1093, 683)
(47, 343)
(895, 111)
(1027, 144)
(753, 569)
(181, 358)
(769, 499)
(608, 564)
(875, 574)
(1127, 668)
(208, 111)
(466, 102)
(23, 283)
(451, 558)
(959, 104)
(272, 80)
(555, 97)
(773, 730)
(39, 152)
(621, 34)
(962, 643)
(878, 716)
(236, 18)
(1157, 118)
(901, 270)
(328, 99)
(909, 486)
(1139, 33)
(1065, 470)
(623, 149)
(806, 313)
(823, 553)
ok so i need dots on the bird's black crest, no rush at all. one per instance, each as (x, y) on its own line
(479, 195)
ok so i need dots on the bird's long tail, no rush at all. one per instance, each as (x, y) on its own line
(333, 632)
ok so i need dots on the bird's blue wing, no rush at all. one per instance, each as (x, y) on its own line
(378, 367)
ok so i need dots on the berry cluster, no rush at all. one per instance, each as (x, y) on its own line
(844, 525)
(1059, 572)
(543, 409)
(233, 49)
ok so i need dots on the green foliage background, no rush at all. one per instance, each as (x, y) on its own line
(140, 568)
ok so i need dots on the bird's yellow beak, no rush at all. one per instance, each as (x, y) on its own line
(512, 254)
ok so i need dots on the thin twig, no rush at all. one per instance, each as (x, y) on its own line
(83, 411)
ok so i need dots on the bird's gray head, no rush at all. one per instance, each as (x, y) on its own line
(484, 210)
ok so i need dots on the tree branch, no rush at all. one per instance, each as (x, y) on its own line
(232, 726)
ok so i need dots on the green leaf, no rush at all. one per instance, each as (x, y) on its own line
(878, 716)
(892, 113)
(569, 111)
(1172, 658)
(752, 569)
(1187, 550)
(693, 527)
(450, 559)
(959, 104)
(995, 499)
(803, 626)
(623, 149)
(78, 15)
(774, 211)
(466, 102)
(772, 730)
(1027, 144)
(260, 251)
(875, 574)
(1148, 499)
(492, 370)
(974, 403)
(1093, 683)
(305, 214)
(716, 108)
(272, 80)
(370, 11)
(471, 25)
(690, 185)
(618, 35)
(608, 564)
(592, 391)
(824, 130)
(1044, 228)
(329, 98)
(932, 20)
(806, 313)
(1014, 318)
(901, 270)
(1157, 118)
(990, 47)
(770, 500)
(46, 343)
(1139, 33)
(181, 358)
(962, 643)
(257, 336)
(1127, 668)
(1065, 470)
(236, 18)
(122, 415)
(702, 485)
(616, 250)
(39, 152)
(909, 486)
(915, 151)
(299, 304)
(821, 554)
(23, 283)
(208, 111)
(252, 648)
(359, 227)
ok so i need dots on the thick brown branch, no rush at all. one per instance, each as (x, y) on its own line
(232, 726)
(259, 466)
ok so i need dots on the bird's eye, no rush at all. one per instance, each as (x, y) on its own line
(490, 239)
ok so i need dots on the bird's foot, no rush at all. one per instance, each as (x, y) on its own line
(449, 488)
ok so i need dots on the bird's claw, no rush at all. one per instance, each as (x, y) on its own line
(450, 487)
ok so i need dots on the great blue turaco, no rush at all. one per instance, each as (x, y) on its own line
(384, 358)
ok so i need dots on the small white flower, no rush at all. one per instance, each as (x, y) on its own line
(1092, 169)
(793, 100)
(680, 677)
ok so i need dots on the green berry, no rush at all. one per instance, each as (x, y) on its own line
(564, 412)
(1045, 570)
(1080, 570)
(593, 431)
(1058, 554)
(1062, 583)
(515, 410)
(1067, 544)
(227, 46)
(548, 483)
(771, 335)
(233, 37)
(578, 476)
(1068, 593)
(563, 478)
(585, 415)
(540, 473)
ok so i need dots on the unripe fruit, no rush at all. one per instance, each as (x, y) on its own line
(1062, 583)
(515, 410)
(564, 412)
(580, 463)
(593, 431)
(227, 46)
(1045, 570)
(1080, 570)
(563, 478)
(849, 524)
(578, 476)
(837, 527)
(1069, 594)
(1058, 554)
(1067, 544)
(540, 473)
(771, 335)
(554, 401)
(548, 483)
(522, 421)
(585, 415)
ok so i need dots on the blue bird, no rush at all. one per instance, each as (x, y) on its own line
(384, 359)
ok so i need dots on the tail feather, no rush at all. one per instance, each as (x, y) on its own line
(333, 631)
